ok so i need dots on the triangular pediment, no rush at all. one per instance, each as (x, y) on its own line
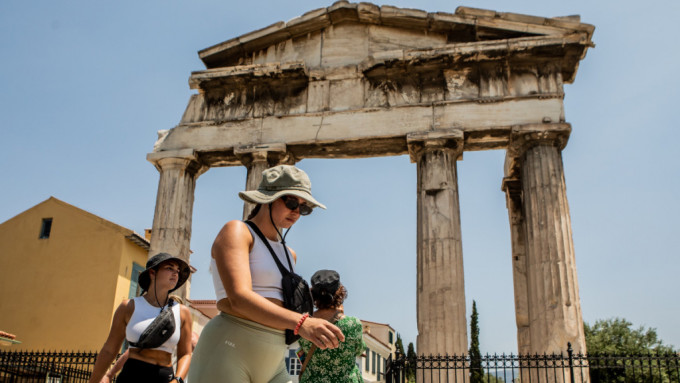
(373, 30)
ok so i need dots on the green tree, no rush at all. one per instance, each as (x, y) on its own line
(411, 363)
(616, 336)
(399, 345)
(476, 371)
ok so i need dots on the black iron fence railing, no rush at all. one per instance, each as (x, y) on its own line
(547, 368)
(45, 367)
(74, 367)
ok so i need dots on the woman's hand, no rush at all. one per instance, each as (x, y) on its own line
(321, 332)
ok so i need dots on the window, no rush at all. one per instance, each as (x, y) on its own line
(391, 337)
(368, 359)
(294, 364)
(46, 228)
(379, 370)
(373, 361)
(135, 290)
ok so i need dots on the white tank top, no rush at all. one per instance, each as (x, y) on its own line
(264, 273)
(142, 317)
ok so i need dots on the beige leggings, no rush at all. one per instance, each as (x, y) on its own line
(237, 350)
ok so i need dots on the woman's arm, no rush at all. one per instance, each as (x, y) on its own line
(184, 348)
(111, 373)
(113, 342)
(231, 251)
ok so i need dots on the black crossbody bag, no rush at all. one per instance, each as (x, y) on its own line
(159, 330)
(296, 293)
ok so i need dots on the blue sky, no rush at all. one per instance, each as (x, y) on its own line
(85, 86)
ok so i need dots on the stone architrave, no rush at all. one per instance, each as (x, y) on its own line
(256, 159)
(174, 205)
(554, 306)
(442, 325)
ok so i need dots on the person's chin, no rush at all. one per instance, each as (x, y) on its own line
(288, 223)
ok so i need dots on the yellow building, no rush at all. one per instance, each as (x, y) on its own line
(64, 272)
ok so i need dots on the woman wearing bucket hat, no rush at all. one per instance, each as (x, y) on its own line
(336, 365)
(150, 355)
(246, 341)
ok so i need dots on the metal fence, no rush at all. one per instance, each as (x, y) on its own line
(547, 368)
(45, 367)
(73, 367)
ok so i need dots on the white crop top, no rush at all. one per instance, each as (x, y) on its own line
(143, 315)
(265, 275)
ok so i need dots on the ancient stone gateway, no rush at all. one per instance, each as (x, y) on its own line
(358, 80)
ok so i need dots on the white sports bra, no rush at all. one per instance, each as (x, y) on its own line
(264, 273)
(142, 317)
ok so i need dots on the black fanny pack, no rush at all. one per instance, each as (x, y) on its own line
(296, 293)
(159, 330)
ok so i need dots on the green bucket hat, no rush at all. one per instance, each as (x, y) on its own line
(279, 181)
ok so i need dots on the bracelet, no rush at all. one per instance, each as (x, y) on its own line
(299, 323)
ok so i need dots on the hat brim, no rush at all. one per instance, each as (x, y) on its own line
(265, 197)
(144, 280)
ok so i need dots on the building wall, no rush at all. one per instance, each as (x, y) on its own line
(373, 364)
(60, 293)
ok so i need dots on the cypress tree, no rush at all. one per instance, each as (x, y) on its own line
(399, 345)
(411, 366)
(476, 371)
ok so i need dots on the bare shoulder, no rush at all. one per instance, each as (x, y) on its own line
(234, 234)
(127, 305)
(234, 228)
(125, 310)
(184, 311)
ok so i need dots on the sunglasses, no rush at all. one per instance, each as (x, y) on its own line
(293, 203)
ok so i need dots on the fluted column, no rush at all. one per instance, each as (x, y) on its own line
(256, 159)
(442, 325)
(513, 194)
(171, 232)
(554, 305)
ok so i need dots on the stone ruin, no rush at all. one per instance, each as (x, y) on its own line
(359, 80)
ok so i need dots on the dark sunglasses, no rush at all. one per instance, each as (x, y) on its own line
(293, 203)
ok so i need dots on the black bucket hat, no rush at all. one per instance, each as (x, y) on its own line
(326, 280)
(153, 262)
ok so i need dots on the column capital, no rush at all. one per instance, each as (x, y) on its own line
(420, 142)
(512, 187)
(186, 159)
(273, 154)
(525, 137)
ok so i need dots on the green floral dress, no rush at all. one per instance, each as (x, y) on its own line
(336, 365)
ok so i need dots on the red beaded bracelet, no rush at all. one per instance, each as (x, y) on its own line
(299, 324)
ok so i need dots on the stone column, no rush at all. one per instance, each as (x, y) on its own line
(256, 159)
(171, 232)
(442, 325)
(513, 194)
(554, 307)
